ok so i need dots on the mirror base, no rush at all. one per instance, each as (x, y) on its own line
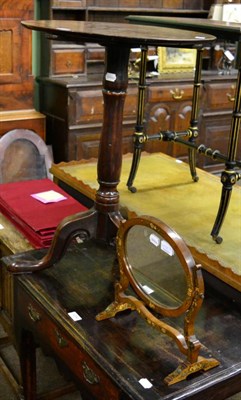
(186, 368)
(113, 309)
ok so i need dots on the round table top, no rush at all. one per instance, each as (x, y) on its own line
(109, 33)
(220, 29)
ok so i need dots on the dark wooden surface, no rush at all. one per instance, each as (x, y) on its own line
(220, 29)
(125, 348)
(68, 60)
(111, 33)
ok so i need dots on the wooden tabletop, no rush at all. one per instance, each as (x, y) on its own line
(107, 33)
(220, 29)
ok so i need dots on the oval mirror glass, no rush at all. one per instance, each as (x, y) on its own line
(155, 267)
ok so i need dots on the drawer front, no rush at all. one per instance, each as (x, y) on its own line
(95, 53)
(170, 93)
(85, 142)
(49, 334)
(68, 61)
(87, 106)
(219, 96)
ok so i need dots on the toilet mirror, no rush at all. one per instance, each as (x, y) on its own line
(159, 278)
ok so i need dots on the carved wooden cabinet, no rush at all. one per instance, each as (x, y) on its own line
(16, 80)
(74, 127)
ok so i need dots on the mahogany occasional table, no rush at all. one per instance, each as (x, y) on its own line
(103, 219)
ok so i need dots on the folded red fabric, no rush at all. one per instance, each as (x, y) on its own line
(37, 221)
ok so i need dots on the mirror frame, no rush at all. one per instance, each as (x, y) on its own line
(184, 255)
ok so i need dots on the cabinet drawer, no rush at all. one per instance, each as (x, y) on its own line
(169, 93)
(219, 96)
(87, 106)
(95, 53)
(48, 333)
(68, 61)
(85, 142)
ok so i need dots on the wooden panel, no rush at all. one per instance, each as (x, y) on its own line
(12, 8)
(10, 51)
(6, 66)
(196, 4)
(172, 4)
(150, 4)
(15, 55)
(24, 119)
(128, 3)
(69, 3)
(174, 116)
(157, 4)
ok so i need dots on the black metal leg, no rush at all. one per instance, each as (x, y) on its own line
(229, 176)
(193, 129)
(139, 136)
(134, 167)
(223, 207)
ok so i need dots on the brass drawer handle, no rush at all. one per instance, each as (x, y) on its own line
(177, 94)
(62, 342)
(89, 375)
(230, 96)
(69, 64)
(33, 314)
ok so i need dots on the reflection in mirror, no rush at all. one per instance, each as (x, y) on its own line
(155, 266)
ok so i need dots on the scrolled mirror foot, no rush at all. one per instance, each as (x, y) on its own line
(186, 368)
(112, 310)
